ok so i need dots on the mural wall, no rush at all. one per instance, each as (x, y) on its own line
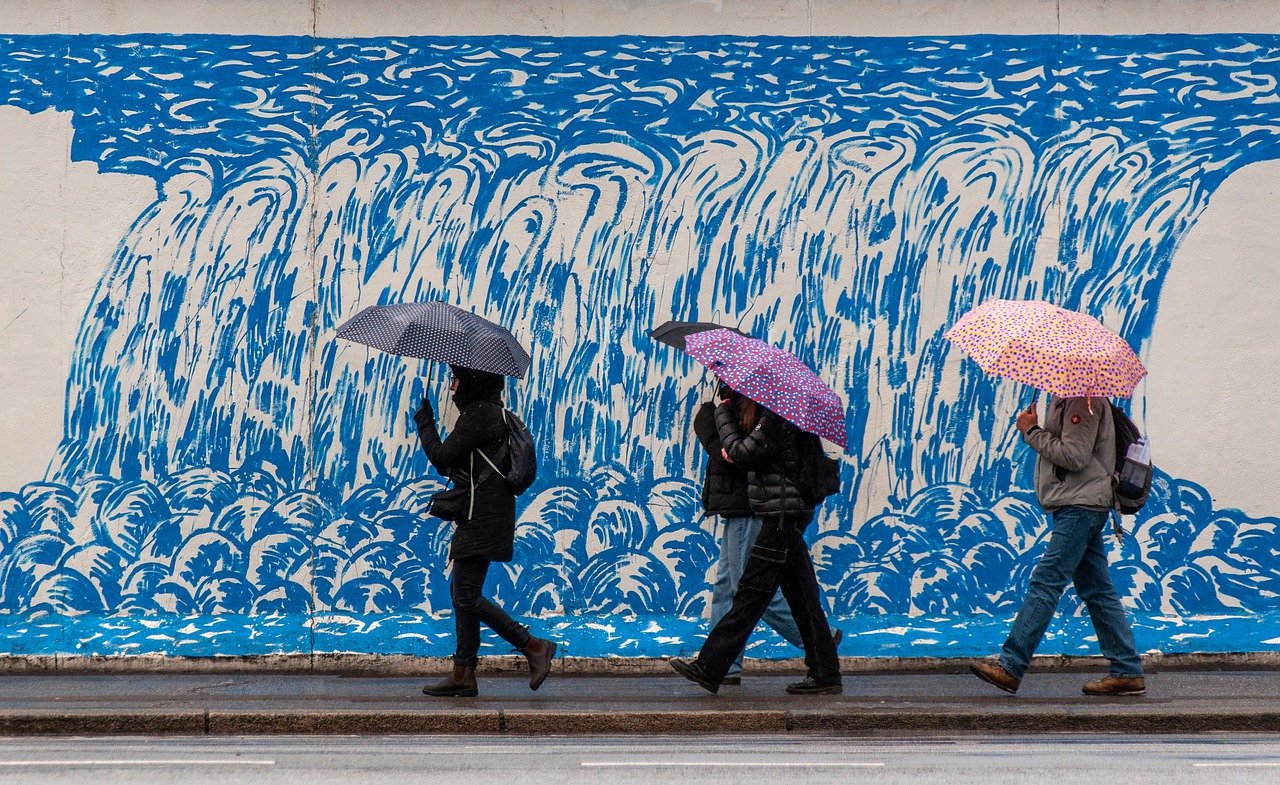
(233, 480)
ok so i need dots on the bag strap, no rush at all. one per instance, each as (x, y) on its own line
(471, 473)
(484, 475)
(487, 460)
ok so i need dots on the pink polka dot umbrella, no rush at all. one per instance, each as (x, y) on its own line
(1061, 352)
(774, 378)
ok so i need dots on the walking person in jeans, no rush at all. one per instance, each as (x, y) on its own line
(766, 446)
(1076, 451)
(487, 534)
(724, 495)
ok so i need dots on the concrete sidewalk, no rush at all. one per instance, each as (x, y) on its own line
(873, 704)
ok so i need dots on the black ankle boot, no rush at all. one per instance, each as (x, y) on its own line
(539, 653)
(459, 684)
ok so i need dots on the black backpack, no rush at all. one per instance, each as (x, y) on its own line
(1133, 475)
(524, 460)
(818, 474)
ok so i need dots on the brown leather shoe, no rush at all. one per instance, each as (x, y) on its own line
(994, 673)
(459, 684)
(1116, 686)
(539, 653)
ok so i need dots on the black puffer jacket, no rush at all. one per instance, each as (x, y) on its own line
(724, 490)
(490, 532)
(771, 457)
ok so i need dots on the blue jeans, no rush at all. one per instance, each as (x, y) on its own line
(1075, 553)
(737, 535)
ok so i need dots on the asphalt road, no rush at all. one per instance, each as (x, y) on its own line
(1077, 760)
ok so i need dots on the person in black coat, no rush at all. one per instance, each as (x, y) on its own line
(767, 446)
(486, 533)
(724, 495)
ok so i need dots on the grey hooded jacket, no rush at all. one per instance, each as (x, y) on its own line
(1077, 454)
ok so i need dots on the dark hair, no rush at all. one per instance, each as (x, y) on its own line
(476, 385)
(748, 412)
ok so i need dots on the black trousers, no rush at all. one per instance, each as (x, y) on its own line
(470, 608)
(779, 558)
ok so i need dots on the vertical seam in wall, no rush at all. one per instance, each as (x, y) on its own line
(206, 722)
(1059, 47)
(1060, 200)
(310, 403)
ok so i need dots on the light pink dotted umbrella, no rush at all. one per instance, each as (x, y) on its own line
(1063, 353)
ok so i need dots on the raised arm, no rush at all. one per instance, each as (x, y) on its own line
(468, 433)
(1073, 449)
(745, 450)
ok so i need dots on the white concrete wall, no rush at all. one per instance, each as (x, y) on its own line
(348, 18)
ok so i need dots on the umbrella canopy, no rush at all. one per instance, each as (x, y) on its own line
(1061, 352)
(441, 332)
(674, 333)
(774, 378)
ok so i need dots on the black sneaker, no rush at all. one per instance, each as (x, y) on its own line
(811, 686)
(731, 681)
(693, 673)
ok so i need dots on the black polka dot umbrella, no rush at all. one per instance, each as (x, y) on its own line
(441, 332)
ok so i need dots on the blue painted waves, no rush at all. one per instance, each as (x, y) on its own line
(620, 567)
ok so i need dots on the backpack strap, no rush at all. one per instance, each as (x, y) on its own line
(488, 461)
(506, 443)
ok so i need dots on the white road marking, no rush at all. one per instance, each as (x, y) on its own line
(174, 762)
(726, 764)
(1239, 764)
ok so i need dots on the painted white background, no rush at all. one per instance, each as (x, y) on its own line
(59, 224)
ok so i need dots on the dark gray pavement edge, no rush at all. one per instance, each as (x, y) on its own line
(630, 723)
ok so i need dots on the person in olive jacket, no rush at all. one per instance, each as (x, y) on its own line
(487, 534)
(767, 447)
(1075, 460)
(724, 495)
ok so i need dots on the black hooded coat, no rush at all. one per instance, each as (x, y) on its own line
(489, 532)
(724, 488)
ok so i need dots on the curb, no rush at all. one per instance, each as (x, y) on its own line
(637, 723)
(349, 664)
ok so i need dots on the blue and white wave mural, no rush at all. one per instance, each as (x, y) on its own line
(234, 481)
